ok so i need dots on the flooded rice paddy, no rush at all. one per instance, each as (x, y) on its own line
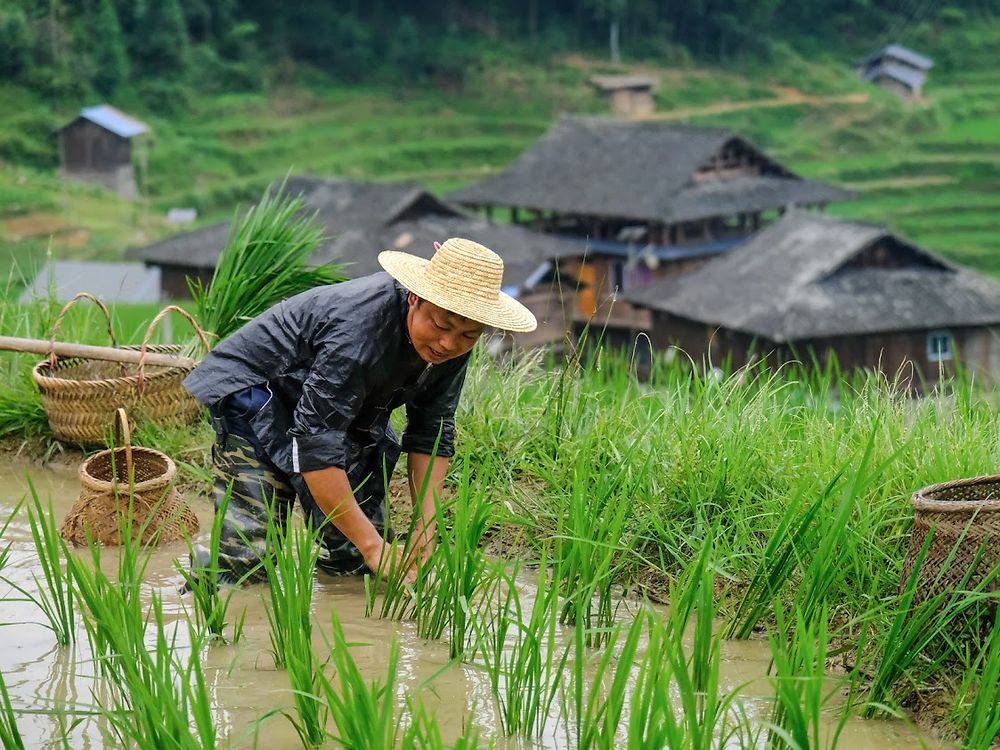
(54, 689)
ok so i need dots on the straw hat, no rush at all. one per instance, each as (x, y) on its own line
(463, 277)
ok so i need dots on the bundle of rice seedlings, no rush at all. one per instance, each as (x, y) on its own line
(266, 260)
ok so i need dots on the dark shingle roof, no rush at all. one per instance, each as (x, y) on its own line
(727, 197)
(362, 219)
(340, 205)
(790, 283)
(636, 170)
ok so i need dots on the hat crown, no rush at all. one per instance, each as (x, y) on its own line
(463, 264)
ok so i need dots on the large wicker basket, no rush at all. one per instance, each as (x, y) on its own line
(80, 395)
(964, 518)
(128, 488)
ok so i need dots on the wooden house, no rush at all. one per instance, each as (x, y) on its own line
(96, 147)
(649, 199)
(898, 69)
(811, 285)
(628, 95)
(363, 218)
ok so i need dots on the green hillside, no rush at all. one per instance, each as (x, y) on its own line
(929, 169)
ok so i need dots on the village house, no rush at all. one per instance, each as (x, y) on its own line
(814, 286)
(649, 199)
(898, 69)
(363, 218)
(96, 147)
(628, 95)
(109, 282)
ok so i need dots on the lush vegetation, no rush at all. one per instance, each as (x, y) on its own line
(776, 501)
(926, 169)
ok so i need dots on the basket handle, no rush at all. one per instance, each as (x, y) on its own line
(123, 436)
(149, 333)
(62, 314)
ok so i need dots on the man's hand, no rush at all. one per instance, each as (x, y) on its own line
(331, 490)
(386, 561)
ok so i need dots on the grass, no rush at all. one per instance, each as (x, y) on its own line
(923, 632)
(983, 722)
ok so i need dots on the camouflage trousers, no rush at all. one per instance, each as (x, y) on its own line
(258, 489)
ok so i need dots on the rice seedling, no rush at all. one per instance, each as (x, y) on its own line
(675, 699)
(598, 710)
(211, 608)
(5, 552)
(704, 709)
(364, 712)
(800, 682)
(10, 735)
(523, 658)
(448, 583)
(160, 699)
(55, 595)
(265, 260)
(290, 567)
(444, 593)
(291, 576)
(424, 733)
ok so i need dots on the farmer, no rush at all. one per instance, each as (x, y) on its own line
(300, 399)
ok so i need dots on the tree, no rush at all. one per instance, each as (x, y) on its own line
(15, 43)
(161, 41)
(109, 49)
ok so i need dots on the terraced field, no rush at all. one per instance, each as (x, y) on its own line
(930, 170)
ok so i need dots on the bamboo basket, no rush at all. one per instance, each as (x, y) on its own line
(128, 488)
(964, 518)
(80, 395)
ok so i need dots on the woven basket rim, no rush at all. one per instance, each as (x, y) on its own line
(40, 372)
(923, 499)
(103, 485)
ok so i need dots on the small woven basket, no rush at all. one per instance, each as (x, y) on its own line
(102, 510)
(80, 395)
(964, 517)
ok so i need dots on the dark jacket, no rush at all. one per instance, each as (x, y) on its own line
(337, 360)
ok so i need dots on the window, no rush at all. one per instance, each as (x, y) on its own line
(617, 276)
(938, 346)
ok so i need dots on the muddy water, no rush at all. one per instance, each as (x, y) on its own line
(53, 686)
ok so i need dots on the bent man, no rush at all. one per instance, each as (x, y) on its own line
(300, 399)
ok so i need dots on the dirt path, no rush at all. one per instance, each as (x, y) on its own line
(786, 97)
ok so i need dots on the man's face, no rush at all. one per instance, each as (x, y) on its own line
(437, 334)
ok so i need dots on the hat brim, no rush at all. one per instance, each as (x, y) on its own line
(505, 312)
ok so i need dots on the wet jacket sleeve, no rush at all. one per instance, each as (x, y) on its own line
(432, 412)
(332, 396)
